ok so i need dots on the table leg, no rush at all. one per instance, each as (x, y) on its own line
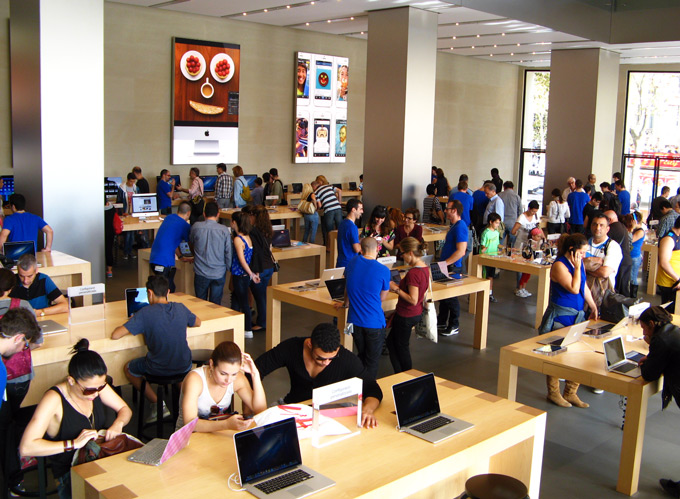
(273, 319)
(320, 263)
(142, 272)
(332, 242)
(633, 436)
(537, 456)
(275, 279)
(475, 271)
(507, 377)
(653, 270)
(481, 318)
(543, 295)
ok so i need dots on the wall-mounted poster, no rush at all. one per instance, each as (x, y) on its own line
(205, 102)
(321, 92)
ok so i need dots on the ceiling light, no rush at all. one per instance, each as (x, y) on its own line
(328, 21)
(266, 10)
(451, 48)
(495, 46)
(351, 19)
(490, 55)
(453, 38)
(312, 3)
(502, 34)
(533, 53)
(245, 13)
(306, 24)
(362, 32)
(288, 6)
(472, 47)
(518, 44)
(477, 36)
(521, 61)
(512, 53)
(457, 24)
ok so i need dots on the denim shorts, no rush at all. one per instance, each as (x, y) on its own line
(137, 367)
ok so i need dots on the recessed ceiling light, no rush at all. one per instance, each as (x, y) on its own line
(502, 34)
(351, 19)
(306, 24)
(453, 38)
(521, 61)
(362, 32)
(472, 47)
(512, 53)
(518, 44)
(245, 13)
(490, 55)
(533, 53)
(328, 21)
(451, 48)
(266, 10)
(288, 6)
(495, 46)
(457, 24)
(477, 36)
(311, 3)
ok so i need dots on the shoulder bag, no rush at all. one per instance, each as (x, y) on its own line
(100, 448)
(427, 327)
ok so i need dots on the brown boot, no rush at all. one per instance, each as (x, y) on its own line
(554, 395)
(570, 388)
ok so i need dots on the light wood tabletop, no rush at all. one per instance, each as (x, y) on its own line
(316, 251)
(184, 275)
(517, 265)
(381, 462)
(652, 259)
(51, 360)
(135, 223)
(584, 363)
(319, 300)
(288, 214)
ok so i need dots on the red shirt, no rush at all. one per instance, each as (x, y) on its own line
(418, 277)
(400, 233)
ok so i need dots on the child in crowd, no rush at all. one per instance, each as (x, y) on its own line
(489, 243)
(536, 238)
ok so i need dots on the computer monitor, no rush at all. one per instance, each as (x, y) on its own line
(337, 186)
(7, 187)
(297, 188)
(111, 185)
(144, 205)
(15, 250)
(251, 180)
(176, 177)
(209, 182)
(352, 186)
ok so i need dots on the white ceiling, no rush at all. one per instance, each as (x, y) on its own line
(462, 31)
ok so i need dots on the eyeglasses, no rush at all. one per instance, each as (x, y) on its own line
(409, 219)
(318, 358)
(91, 391)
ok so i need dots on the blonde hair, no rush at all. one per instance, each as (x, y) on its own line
(409, 244)
(306, 191)
(322, 179)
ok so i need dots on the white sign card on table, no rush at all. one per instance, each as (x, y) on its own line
(90, 313)
(341, 402)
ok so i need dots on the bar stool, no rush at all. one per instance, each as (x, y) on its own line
(164, 382)
(494, 486)
(200, 356)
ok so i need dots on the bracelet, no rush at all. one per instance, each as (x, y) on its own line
(69, 445)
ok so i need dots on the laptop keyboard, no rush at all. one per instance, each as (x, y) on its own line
(151, 453)
(626, 367)
(283, 481)
(432, 424)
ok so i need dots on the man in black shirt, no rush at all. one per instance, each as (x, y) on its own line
(142, 183)
(619, 233)
(318, 361)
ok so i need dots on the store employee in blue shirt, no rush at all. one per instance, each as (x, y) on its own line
(452, 253)
(165, 191)
(348, 233)
(173, 230)
(22, 226)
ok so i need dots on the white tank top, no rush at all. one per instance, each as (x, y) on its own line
(205, 401)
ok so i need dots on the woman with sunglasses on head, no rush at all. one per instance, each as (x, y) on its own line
(378, 228)
(207, 391)
(71, 413)
(409, 228)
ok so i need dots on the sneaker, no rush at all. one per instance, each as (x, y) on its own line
(518, 292)
(492, 299)
(450, 331)
(133, 256)
(442, 326)
(671, 487)
(597, 391)
(526, 293)
(248, 334)
(125, 257)
(17, 490)
(154, 413)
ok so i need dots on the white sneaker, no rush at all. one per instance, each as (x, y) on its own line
(518, 292)
(248, 334)
(154, 413)
(526, 293)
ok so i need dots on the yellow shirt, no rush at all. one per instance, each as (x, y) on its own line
(662, 277)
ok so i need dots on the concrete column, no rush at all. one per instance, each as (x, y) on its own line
(581, 116)
(57, 81)
(400, 84)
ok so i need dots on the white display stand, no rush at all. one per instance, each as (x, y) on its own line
(337, 401)
(90, 313)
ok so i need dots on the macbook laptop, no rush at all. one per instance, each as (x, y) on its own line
(395, 276)
(270, 463)
(51, 327)
(417, 407)
(15, 250)
(573, 335)
(144, 205)
(327, 275)
(336, 288)
(135, 299)
(281, 239)
(185, 250)
(427, 259)
(616, 360)
(352, 186)
(440, 273)
(608, 327)
(160, 450)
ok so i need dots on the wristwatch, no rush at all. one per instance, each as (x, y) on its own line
(42, 313)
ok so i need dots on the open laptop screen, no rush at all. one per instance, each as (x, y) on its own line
(613, 351)
(267, 449)
(135, 299)
(144, 204)
(415, 399)
(13, 251)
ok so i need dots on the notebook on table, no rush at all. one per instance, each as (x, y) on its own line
(336, 288)
(616, 360)
(51, 327)
(327, 275)
(135, 300)
(270, 463)
(281, 239)
(573, 335)
(15, 250)
(440, 274)
(160, 450)
(417, 407)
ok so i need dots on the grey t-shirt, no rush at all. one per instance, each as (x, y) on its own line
(212, 249)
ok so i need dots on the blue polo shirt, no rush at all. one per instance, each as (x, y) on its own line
(467, 202)
(624, 197)
(348, 234)
(40, 294)
(173, 230)
(23, 227)
(365, 280)
(162, 191)
(480, 201)
(577, 201)
(3, 382)
(458, 233)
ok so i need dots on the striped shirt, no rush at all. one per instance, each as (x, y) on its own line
(431, 204)
(326, 196)
(225, 186)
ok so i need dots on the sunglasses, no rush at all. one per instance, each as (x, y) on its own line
(318, 358)
(91, 391)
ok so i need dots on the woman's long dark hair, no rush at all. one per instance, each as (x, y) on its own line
(85, 363)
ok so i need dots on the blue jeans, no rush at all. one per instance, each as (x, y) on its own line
(64, 486)
(331, 221)
(204, 286)
(637, 262)
(369, 342)
(311, 224)
(129, 241)
(240, 304)
(259, 291)
(507, 233)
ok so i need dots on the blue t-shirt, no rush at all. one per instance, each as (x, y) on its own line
(577, 201)
(479, 201)
(3, 382)
(467, 202)
(458, 233)
(40, 294)
(563, 298)
(164, 326)
(348, 234)
(23, 227)
(624, 197)
(173, 230)
(162, 191)
(365, 280)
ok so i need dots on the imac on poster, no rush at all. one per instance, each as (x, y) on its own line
(323, 84)
(342, 83)
(204, 145)
(302, 78)
(321, 151)
(302, 138)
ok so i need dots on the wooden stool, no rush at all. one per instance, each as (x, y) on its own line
(163, 382)
(200, 356)
(494, 486)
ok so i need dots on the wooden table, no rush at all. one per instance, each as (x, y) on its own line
(184, 276)
(287, 214)
(320, 301)
(181, 199)
(517, 265)
(652, 260)
(290, 196)
(134, 223)
(381, 462)
(588, 368)
(51, 360)
(318, 252)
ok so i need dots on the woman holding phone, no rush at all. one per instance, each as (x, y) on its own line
(568, 297)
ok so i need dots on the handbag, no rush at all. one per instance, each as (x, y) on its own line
(117, 224)
(306, 208)
(100, 448)
(427, 327)
(615, 306)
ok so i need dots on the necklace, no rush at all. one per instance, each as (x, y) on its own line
(90, 418)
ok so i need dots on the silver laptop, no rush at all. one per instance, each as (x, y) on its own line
(417, 407)
(270, 464)
(573, 335)
(327, 275)
(160, 450)
(616, 360)
(51, 327)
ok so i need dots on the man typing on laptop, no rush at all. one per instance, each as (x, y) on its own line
(318, 361)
